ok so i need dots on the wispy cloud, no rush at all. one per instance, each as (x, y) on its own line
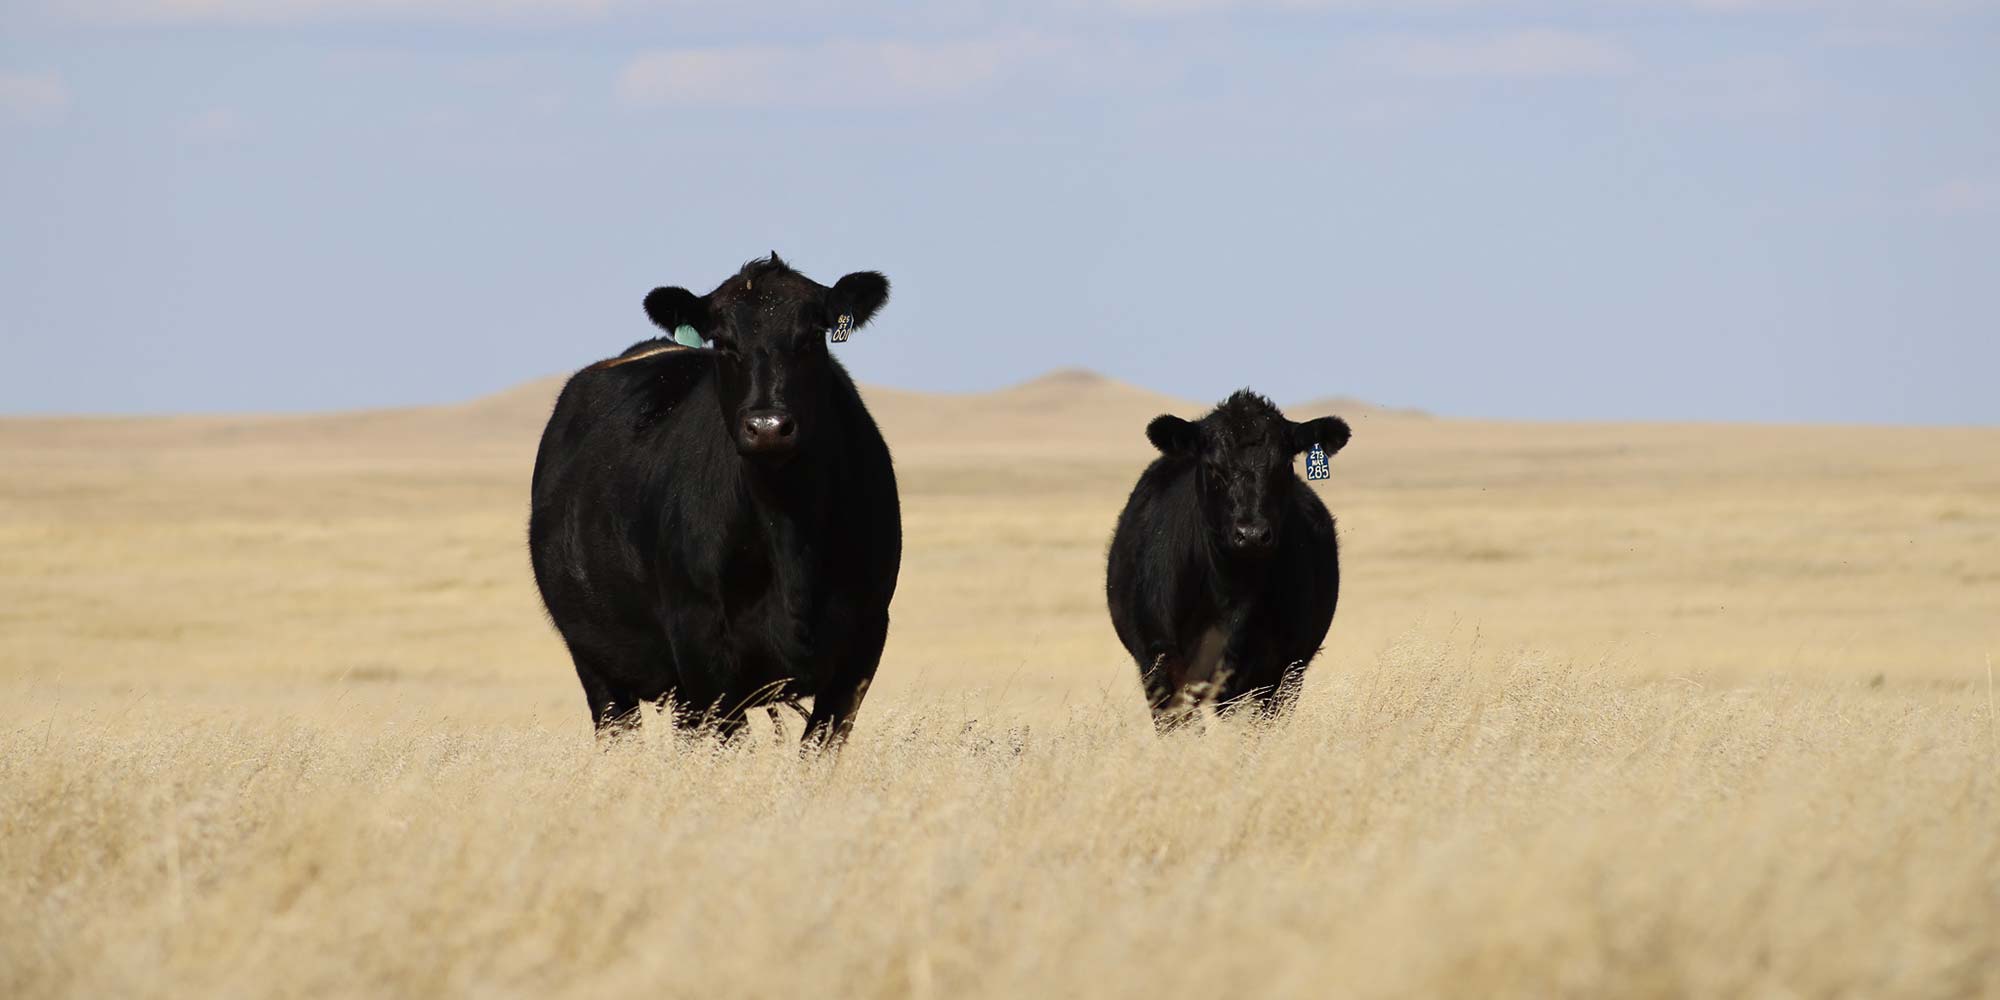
(963, 12)
(288, 11)
(1522, 54)
(34, 97)
(212, 124)
(843, 73)
(1965, 196)
(1743, 88)
(1544, 7)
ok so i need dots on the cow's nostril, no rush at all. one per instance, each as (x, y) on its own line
(1249, 534)
(766, 430)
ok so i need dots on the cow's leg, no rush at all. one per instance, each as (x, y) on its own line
(777, 713)
(1278, 701)
(839, 697)
(1266, 681)
(713, 716)
(613, 704)
(1256, 690)
(614, 709)
(1168, 694)
(1266, 673)
(721, 717)
(833, 713)
(704, 660)
(1255, 674)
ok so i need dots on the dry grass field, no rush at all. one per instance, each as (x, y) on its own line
(1633, 710)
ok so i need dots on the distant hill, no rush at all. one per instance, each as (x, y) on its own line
(1350, 408)
(1064, 410)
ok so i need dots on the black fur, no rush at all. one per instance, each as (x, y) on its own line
(684, 553)
(1222, 541)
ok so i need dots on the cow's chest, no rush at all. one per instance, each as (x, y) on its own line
(770, 575)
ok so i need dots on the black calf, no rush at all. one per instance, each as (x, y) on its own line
(1223, 571)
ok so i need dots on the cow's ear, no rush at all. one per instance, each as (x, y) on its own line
(853, 300)
(671, 308)
(1172, 435)
(1330, 433)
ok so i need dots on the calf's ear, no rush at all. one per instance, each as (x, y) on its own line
(1330, 433)
(1172, 435)
(670, 308)
(853, 300)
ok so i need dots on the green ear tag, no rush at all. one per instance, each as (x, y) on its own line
(687, 336)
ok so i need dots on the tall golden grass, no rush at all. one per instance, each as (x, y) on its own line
(1636, 711)
(1426, 826)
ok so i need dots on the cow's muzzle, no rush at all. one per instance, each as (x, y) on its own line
(1253, 536)
(767, 432)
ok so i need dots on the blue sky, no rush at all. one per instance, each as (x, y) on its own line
(1784, 211)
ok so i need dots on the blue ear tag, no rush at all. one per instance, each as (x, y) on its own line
(842, 328)
(687, 336)
(1316, 463)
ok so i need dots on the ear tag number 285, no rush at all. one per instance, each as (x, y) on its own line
(1316, 463)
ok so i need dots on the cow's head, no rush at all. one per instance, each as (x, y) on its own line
(1242, 452)
(769, 326)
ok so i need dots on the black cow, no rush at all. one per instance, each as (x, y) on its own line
(1223, 570)
(720, 525)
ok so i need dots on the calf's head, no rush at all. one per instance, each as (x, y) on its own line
(1242, 453)
(769, 326)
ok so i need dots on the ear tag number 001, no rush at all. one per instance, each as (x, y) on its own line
(842, 328)
(1316, 463)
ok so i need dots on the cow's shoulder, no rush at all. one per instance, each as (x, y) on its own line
(863, 439)
(1310, 510)
(1165, 489)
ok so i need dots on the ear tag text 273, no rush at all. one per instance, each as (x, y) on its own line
(842, 328)
(1316, 463)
